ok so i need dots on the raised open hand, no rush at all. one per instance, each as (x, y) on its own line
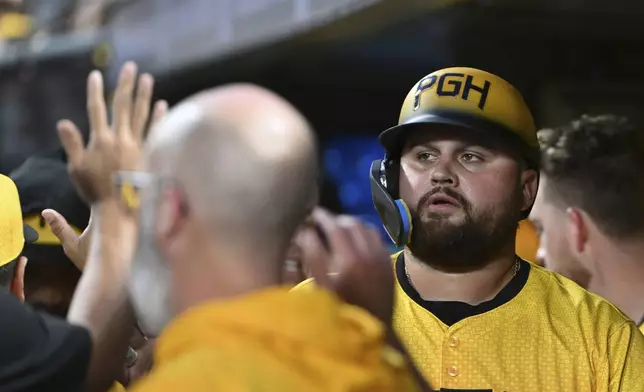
(110, 148)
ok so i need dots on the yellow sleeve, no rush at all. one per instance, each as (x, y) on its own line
(309, 284)
(116, 387)
(304, 286)
(404, 380)
(626, 359)
(205, 371)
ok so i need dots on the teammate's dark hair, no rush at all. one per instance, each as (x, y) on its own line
(596, 163)
(6, 274)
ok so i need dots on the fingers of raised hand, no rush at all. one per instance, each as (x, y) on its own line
(72, 141)
(349, 238)
(376, 244)
(370, 243)
(123, 101)
(337, 233)
(317, 258)
(353, 244)
(160, 110)
(356, 232)
(142, 104)
(96, 109)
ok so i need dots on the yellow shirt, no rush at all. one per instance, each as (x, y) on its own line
(527, 241)
(642, 327)
(275, 341)
(116, 387)
(551, 336)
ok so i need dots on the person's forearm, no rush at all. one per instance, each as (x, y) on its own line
(394, 342)
(101, 302)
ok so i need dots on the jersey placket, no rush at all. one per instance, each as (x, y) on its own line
(450, 369)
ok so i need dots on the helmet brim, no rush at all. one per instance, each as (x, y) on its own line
(393, 139)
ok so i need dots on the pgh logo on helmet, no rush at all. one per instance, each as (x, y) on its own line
(464, 97)
(452, 88)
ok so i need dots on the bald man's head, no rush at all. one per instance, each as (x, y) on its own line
(246, 160)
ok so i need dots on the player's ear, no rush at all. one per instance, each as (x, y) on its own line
(577, 229)
(18, 281)
(529, 186)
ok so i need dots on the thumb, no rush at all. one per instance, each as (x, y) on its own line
(61, 229)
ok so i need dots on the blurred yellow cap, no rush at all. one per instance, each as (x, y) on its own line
(12, 238)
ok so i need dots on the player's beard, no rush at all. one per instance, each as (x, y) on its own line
(150, 280)
(467, 245)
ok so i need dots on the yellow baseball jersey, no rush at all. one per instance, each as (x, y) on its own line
(541, 333)
(116, 387)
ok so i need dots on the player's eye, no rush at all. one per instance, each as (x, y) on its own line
(424, 156)
(471, 158)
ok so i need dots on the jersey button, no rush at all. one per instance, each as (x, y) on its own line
(453, 341)
(452, 371)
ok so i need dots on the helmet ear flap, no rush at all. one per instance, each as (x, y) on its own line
(394, 213)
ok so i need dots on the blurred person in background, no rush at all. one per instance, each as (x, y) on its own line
(590, 211)
(209, 257)
(461, 171)
(15, 235)
(39, 352)
(15, 22)
(43, 183)
(20, 19)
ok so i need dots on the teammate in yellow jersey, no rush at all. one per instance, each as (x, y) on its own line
(589, 208)
(461, 170)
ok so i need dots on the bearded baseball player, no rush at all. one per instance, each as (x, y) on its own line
(461, 169)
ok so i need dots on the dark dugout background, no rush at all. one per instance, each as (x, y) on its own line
(349, 78)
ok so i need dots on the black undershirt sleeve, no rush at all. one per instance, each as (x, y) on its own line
(39, 352)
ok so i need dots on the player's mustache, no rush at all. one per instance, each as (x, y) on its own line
(424, 201)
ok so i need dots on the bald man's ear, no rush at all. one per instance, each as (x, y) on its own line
(172, 214)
